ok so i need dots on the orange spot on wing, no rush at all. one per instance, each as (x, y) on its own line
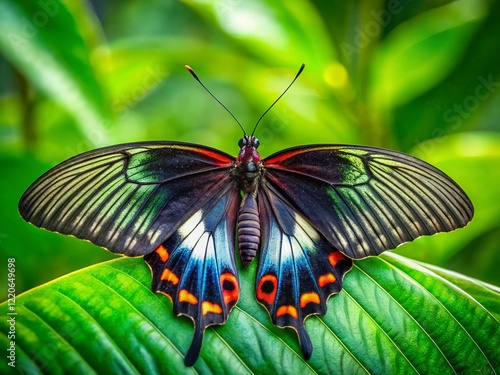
(335, 257)
(208, 307)
(267, 288)
(169, 277)
(185, 296)
(162, 253)
(287, 309)
(311, 297)
(326, 279)
(230, 288)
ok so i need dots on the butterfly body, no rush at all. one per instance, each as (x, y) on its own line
(248, 229)
(247, 174)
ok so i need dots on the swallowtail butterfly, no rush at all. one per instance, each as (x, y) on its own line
(307, 211)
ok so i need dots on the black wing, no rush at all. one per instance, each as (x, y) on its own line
(366, 200)
(127, 198)
(298, 269)
(195, 266)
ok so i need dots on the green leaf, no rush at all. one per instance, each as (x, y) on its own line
(289, 32)
(31, 35)
(486, 294)
(393, 316)
(466, 99)
(421, 51)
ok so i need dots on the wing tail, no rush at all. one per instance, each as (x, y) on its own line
(298, 269)
(196, 269)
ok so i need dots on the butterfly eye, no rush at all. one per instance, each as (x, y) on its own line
(256, 143)
(242, 142)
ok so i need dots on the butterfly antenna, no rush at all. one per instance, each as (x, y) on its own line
(190, 70)
(279, 97)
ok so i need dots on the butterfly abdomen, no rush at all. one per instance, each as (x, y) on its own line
(248, 229)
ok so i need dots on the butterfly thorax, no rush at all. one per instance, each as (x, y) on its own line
(247, 172)
(248, 164)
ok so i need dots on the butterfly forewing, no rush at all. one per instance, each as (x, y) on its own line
(126, 198)
(298, 269)
(365, 200)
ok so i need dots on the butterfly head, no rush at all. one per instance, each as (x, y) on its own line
(248, 163)
(248, 141)
(248, 149)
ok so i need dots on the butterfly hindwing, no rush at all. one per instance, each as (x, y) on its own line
(196, 269)
(127, 198)
(298, 269)
(365, 200)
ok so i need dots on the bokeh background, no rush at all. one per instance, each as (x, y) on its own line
(418, 76)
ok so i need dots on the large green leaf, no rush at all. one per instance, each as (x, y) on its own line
(393, 316)
(45, 41)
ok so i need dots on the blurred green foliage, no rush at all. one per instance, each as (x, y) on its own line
(420, 76)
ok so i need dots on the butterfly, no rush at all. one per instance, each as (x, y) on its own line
(307, 211)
